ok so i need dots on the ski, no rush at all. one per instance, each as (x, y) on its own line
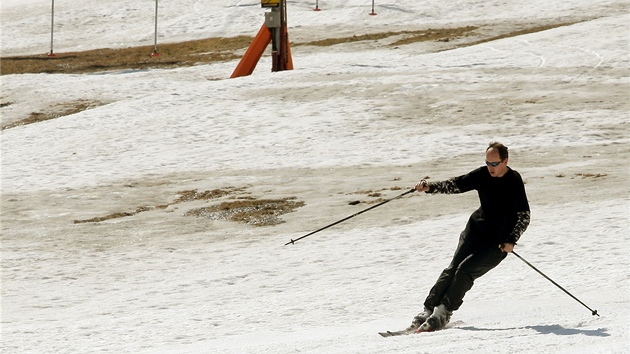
(404, 332)
(422, 329)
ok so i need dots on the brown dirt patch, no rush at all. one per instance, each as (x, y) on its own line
(135, 58)
(407, 37)
(223, 49)
(59, 110)
(260, 212)
(190, 195)
(376, 194)
(121, 214)
(523, 31)
(184, 196)
(244, 208)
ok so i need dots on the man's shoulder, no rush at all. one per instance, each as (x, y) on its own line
(513, 172)
(514, 176)
(483, 170)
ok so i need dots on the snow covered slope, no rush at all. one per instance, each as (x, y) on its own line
(349, 121)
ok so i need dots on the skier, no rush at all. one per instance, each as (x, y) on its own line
(491, 232)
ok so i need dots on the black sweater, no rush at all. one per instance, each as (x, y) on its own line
(504, 212)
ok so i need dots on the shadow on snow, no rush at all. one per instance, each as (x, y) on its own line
(549, 329)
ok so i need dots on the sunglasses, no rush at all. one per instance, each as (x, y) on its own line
(493, 164)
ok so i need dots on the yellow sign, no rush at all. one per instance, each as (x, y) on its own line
(269, 3)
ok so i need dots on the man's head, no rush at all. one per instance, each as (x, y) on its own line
(497, 159)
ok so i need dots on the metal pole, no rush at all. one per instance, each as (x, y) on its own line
(351, 216)
(284, 37)
(52, 29)
(593, 312)
(155, 52)
(372, 13)
(276, 35)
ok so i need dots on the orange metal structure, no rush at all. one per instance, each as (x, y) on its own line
(253, 54)
(274, 31)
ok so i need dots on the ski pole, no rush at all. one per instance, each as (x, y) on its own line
(351, 216)
(593, 312)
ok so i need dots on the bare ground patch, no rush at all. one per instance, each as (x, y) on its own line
(193, 194)
(375, 195)
(242, 208)
(257, 212)
(584, 175)
(520, 32)
(221, 49)
(211, 50)
(59, 110)
(405, 37)
(136, 58)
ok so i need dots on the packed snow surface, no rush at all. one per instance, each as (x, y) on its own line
(351, 122)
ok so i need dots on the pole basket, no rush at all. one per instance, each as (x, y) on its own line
(155, 54)
(51, 54)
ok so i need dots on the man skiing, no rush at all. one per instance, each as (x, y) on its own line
(491, 232)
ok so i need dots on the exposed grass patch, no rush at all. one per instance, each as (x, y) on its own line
(408, 37)
(57, 111)
(440, 35)
(245, 209)
(341, 40)
(261, 212)
(121, 214)
(211, 50)
(135, 58)
(591, 175)
(190, 195)
(522, 32)
(584, 175)
(373, 194)
(184, 196)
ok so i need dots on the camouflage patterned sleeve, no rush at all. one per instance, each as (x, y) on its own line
(444, 187)
(522, 221)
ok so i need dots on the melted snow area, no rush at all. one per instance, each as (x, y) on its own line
(352, 121)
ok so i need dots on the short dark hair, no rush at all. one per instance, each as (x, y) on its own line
(502, 149)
